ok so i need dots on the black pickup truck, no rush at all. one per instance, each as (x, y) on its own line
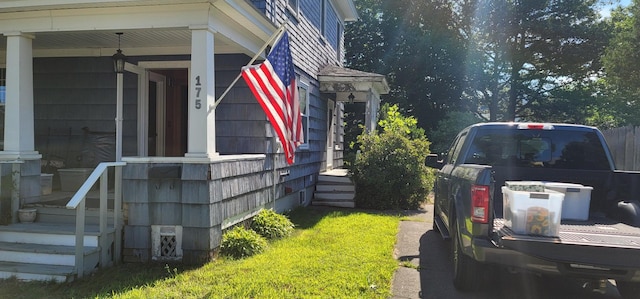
(468, 205)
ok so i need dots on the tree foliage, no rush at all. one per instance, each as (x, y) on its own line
(622, 65)
(532, 60)
(416, 44)
(530, 52)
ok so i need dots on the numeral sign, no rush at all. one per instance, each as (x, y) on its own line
(198, 90)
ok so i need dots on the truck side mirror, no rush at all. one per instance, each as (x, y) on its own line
(433, 161)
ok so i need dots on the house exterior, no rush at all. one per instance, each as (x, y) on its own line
(192, 168)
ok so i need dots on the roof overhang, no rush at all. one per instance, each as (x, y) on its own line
(150, 27)
(351, 85)
(346, 9)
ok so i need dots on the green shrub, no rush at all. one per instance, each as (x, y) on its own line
(240, 242)
(389, 172)
(271, 225)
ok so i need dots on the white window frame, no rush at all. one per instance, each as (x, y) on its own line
(3, 80)
(304, 86)
(323, 17)
(293, 7)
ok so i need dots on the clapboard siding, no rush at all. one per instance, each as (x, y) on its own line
(309, 47)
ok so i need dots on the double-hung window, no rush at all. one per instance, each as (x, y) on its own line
(303, 96)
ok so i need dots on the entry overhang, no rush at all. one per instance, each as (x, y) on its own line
(351, 85)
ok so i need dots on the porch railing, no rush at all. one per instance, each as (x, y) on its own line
(78, 203)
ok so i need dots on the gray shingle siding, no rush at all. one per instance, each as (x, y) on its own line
(73, 93)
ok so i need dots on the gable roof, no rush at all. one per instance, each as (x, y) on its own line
(339, 79)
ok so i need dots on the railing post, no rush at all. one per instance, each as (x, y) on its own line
(80, 211)
(104, 242)
(117, 214)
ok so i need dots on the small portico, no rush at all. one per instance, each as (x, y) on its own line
(353, 86)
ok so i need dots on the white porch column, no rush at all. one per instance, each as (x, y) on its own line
(371, 114)
(18, 126)
(202, 119)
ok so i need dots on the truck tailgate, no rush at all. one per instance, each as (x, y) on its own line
(594, 243)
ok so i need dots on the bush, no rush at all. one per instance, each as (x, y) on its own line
(240, 242)
(389, 172)
(271, 225)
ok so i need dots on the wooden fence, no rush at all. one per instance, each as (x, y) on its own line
(624, 144)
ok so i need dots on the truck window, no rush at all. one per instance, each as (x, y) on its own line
(562, 149)
(452, 156)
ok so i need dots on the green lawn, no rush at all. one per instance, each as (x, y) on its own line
(332, 254)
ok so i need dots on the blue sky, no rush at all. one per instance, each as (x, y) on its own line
(607, 8)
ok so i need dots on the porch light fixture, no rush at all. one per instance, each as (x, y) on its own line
(351, 98)
(119, 59)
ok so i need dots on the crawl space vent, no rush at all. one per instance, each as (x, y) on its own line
(167, 242)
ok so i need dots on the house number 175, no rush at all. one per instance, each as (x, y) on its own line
(198, 90)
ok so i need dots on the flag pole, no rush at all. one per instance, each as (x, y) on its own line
(274, 37)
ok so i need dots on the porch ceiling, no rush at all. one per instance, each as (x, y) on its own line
(150, 27)
(133, 42)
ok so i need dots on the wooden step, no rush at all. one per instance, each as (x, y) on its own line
(334, 196)
(43, 254)
(335, 188)
(340, 204)
(36, 272)
(48, 234)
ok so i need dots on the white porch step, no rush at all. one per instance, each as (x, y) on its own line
(46, 251)
(334, 188)
(340, 204)
(43, 254)
(36, 272)
(334, 196)
(47, 234)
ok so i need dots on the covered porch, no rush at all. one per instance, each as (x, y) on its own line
(176, 184)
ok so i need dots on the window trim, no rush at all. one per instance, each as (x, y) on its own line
(3, 81)
(305, 86)
(294, 10)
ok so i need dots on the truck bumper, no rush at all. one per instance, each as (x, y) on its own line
(486, 251)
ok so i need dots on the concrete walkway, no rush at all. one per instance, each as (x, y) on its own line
(406, 280)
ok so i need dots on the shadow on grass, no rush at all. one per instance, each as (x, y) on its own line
(123, 278)
(308, 217)
(102, 283)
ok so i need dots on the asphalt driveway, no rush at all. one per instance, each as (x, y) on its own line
(429, 272)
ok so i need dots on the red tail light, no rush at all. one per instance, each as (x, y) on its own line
(480, 203)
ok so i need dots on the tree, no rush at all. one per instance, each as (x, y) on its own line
(622, 65)
(417, 46)
(530, 51)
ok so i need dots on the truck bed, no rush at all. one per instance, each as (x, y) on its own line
(615, 244)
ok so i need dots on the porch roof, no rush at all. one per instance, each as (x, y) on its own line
(157, 27)
(345, 82)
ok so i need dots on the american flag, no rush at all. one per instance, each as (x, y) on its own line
(273, 83)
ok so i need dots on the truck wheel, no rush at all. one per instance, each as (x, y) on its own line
(466, 271)
(628, 289)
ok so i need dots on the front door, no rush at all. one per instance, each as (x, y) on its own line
(156, 114)
(168, 100)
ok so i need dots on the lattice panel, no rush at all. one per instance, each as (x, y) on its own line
(168, 246)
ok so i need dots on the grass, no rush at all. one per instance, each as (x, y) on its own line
(332, 254)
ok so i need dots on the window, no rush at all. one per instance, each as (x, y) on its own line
(3, 84)
(338, 43)
(323, 17)
(559, 149)
(293, 6)
(3, 99)
(303, 96)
